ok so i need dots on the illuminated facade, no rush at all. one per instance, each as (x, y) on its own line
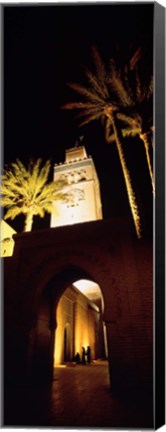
(7, 242)
(78, 325)
(83, 201)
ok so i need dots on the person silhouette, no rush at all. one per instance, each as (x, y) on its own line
(88, 353)
(83, 356)
(77, 358)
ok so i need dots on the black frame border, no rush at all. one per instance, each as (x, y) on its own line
(159, 222)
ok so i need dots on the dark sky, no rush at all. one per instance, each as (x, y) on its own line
(44, 48)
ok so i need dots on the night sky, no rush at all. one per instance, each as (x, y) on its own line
(44, 48)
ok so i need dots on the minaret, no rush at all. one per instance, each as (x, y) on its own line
(83, 201)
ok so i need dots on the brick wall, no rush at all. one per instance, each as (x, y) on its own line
(46, 262)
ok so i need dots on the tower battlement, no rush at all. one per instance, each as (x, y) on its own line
(82, 191)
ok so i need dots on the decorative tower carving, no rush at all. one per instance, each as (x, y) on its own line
(83, 201)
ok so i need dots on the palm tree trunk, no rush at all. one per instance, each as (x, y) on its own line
(145, 139)
(28, 222)
(130, 192)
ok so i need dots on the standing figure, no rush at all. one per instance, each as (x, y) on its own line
(83, 356)
(77, 358)
(88, 353)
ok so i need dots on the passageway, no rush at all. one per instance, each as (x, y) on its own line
(68, 321)
(79, 324)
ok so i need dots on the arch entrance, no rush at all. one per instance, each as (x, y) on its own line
(69, 318)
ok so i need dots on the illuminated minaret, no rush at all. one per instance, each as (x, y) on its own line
(83, 201)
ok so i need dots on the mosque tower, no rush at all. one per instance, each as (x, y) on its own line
(82, 193)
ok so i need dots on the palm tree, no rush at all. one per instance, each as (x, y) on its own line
(96, 103)
(135, 105)
(27, 191)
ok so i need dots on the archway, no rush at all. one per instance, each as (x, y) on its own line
(57, 339)
(79, 322)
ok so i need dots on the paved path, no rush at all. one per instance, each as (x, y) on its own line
(79, 397)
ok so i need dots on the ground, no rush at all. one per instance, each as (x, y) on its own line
(80, 396)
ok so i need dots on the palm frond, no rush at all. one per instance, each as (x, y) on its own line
(13, 212)
(41, 179)
(7, 192)
(87, 93)
(150, 88)
(95, 84)
(100, 71)
(127, 83)
(19, 170)
(117, 85)
(138, 87)
(7, 201)
(135, 58)
(130, 132)
(131, 120)
(14, 189)
(96, 111)
(88, 119)
(77, 105)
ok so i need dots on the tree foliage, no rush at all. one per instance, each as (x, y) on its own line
(135, 107)
(27, 191)
(99, 101)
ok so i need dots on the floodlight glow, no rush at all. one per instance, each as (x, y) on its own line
(88, 288)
